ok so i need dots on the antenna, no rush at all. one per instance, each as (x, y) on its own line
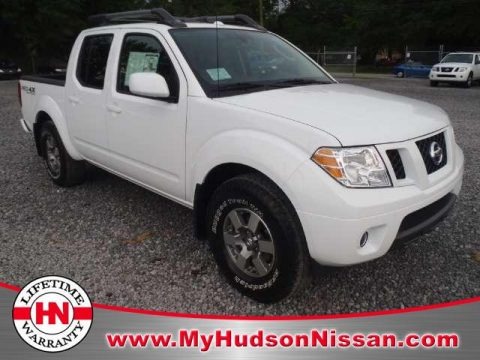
(218, 56)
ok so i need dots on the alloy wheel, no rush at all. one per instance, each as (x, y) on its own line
(52, 156)
(249, 242)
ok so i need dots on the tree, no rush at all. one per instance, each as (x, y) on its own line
(41, 30)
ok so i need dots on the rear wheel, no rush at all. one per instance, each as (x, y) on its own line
(400, 74)
(257, 239)
(62, 169)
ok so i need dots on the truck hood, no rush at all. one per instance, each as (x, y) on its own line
(453, 64)
(353, 114)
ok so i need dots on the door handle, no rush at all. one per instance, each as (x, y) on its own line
(74, 99)
(114, 109)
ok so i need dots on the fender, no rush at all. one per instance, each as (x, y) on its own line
(271, 155)
(49, 106)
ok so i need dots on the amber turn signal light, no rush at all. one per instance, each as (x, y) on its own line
(326, 159)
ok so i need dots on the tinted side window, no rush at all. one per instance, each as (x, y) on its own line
(144, 53)
(92, 61)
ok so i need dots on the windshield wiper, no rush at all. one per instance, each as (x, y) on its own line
(299, 82)
(241, 86)
(246, 86)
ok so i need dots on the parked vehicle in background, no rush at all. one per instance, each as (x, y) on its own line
(412, 69)
(52, 69)
(9, 69)
(279, 162)
(460, 68)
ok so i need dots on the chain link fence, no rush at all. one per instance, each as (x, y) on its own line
(426, 57)
(337, 60)
(345, 61)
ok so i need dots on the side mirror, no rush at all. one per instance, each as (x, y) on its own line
(148, 84)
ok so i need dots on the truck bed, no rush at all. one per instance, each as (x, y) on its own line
(51, 79)
(39, 90)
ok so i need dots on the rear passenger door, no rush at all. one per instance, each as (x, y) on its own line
(86, 95)
(147, 135)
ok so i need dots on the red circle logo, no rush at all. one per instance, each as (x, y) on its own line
(52, 314)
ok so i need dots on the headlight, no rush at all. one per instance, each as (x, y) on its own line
(357, 167)
(19, 70)
(1, 71)
(435, 68)
(462, 69)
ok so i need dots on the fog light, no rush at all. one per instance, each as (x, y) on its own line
(364, 239)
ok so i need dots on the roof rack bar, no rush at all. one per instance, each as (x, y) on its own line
(238, 19)
(162, 16)
(247, 20)
(158, 15)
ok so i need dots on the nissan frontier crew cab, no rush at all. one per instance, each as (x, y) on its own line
(279, 162)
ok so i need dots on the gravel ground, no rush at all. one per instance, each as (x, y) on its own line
(130, 247)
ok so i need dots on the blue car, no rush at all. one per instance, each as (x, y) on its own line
(412, 69)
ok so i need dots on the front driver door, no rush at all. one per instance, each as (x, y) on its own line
(146, 136)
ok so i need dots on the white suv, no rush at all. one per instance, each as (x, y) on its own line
(463, 68)
(279, 162)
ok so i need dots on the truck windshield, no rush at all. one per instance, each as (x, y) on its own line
(458, 58)
(243, 61)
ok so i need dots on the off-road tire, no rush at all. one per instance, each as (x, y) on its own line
(258, 194)
(71, 172)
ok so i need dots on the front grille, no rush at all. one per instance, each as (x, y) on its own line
(397, 164)
(447, 69)
(425, 145)
(446, 76)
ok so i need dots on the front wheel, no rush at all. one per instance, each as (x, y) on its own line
(62, 169)
(468, 83)
(433, 83)
(257, 239)
(400, 74)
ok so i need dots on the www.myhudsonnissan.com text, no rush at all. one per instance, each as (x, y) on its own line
(316, 338)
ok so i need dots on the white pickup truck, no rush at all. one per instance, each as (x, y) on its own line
(458, 67)
(279, 162)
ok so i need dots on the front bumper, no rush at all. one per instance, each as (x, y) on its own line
(334, 218)
(449, 76)
(425, 219)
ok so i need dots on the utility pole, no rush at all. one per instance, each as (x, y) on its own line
(260, 11)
